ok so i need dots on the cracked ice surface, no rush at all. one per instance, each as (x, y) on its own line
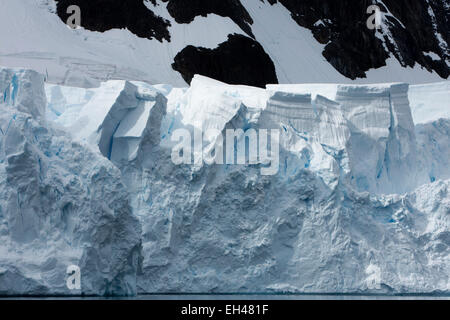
(61, 204)
(360, 202)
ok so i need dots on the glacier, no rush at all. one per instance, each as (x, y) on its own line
(61, 204)
(360, 203)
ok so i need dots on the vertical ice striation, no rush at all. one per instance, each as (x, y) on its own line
(23, 89)
(382, 143)
(433, 150)
(61, 204)
(360, 202)
(401, 169)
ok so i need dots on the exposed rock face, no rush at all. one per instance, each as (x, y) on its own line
(411, 29)
(426, 29)
(415, 33)
(240, 60)
(184, 11)
(103, 15)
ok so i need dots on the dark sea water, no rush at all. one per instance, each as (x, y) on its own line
(244, 297)
(287, 297)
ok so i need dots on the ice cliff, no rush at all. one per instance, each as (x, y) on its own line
(61, 204)
(360, 201)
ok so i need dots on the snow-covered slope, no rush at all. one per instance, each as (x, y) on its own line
(430, 102)
(81, 57)
(360, 201)
(272, 45)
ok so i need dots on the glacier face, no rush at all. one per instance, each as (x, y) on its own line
(351, 209)
(61, 204)
(360, 202)
(311, 227)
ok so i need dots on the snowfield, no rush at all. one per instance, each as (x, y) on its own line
(84, 58)
(360, 203)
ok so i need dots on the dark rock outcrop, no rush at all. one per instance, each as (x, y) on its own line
(239, 60)
(353, 49)
(419, 34)
(103, 15)
(184, 11)
(414, 32)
